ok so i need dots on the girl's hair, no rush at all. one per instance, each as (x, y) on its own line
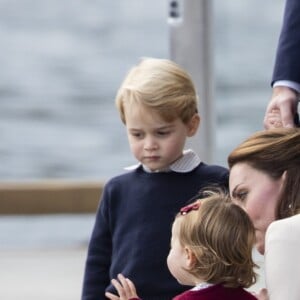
(159, 85)
(275, 152)
(221, 236)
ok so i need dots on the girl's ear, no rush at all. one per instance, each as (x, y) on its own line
(190, 258)
(193, 125)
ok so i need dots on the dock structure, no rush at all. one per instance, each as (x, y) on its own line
(190, 42)
(49, 197)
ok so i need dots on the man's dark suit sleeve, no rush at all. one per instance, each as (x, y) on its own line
(287, 63)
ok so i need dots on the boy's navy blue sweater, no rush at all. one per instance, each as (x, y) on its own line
(132, 230)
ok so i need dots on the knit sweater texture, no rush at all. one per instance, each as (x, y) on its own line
(215, 292)
(132, 230)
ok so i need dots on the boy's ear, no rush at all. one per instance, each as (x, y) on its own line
(190, 258)
(193, 125)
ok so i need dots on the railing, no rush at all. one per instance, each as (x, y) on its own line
(49, 197)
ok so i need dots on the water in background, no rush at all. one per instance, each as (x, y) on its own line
(62, 62)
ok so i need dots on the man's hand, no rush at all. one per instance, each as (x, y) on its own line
(283, 101)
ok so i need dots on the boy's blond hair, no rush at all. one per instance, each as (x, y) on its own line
(221, 236)
(159, 85)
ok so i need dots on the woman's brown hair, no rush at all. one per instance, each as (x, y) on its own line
(275, 152)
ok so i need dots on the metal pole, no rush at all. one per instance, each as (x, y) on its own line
(190, 30)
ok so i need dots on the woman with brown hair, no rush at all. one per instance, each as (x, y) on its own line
(265, 182)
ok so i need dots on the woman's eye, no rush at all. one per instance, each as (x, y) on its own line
(241, 195)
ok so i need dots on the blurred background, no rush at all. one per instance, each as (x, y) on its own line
(61, 64)
(63, 61)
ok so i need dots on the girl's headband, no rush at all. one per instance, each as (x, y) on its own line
(186, 209)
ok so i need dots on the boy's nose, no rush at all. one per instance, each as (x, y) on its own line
(150, 144)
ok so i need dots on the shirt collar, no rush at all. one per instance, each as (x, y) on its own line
(201, 286)
(186, 163)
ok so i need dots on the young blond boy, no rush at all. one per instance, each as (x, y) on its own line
(158, 105)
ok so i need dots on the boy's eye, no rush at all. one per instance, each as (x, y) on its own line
(137, 134)
(163, 132)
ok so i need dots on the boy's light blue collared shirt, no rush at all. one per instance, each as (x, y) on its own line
(186, 163)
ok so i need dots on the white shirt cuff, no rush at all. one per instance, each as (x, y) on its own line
(291, 84)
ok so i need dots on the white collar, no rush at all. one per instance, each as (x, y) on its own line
(201, 286)
(186, 163)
